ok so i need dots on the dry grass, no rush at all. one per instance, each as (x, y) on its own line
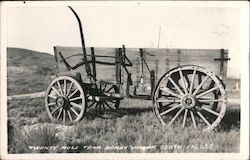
(23, 139)
(134, 124)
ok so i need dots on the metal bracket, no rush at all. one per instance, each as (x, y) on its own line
(222, 59)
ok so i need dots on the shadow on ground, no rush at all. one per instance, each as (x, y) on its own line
(231, 120)
(113, 114)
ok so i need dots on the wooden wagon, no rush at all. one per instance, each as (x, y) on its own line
(184, 84)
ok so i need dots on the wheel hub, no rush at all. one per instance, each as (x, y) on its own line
(188, 101)
(62, 102)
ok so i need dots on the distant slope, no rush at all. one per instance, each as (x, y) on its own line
(28, 71)
(18, 57)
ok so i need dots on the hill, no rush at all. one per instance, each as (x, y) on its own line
(27, 58)
(28, 71)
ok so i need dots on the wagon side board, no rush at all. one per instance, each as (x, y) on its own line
(214, 60)
(70, 61)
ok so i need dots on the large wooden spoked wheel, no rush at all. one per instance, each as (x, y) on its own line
(190, 96)
(65, 100)
(106, 89)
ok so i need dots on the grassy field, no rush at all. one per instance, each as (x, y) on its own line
(134, 124)
(132, 128)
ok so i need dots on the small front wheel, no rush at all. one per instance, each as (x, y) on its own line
(106, 89)
(65, 100)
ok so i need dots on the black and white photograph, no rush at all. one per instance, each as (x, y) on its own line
(124, 79)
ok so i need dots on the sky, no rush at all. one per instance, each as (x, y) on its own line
(41, 28)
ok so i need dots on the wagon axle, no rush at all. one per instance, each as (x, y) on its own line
(63, 102)
(188, 101)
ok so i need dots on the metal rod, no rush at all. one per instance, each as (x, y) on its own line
(159, 38)
(87, 66)
(93, 62)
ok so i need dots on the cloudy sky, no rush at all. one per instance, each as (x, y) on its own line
(41, 28)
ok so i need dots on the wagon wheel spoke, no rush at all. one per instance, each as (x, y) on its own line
(164, 89)
(194, 90)
(74, 111)
(52, 104)
(177, 114)
(64, 115)
(192, 82)
(73, 93)
(55, 90)
(168, 100)
(206, 92)
(112, 101)
(184, 118)
(60, 88)
(59, 114)
(76, 98)
(167, 105)
(110, 88)
(171, 109)
(104, 88)
(193, 119)
(203, 118)
(76, 105)
(175, 85)
(210, 111)
(108, 106)
(54, 110)
(210, 100)
(65, 87)
(103, 106)
(100, 107)
(51, 96)
(100, 87)
(93, 102)
(70, 117)
(70, 86)
(200, 85)
(183, 82)
(97, 105)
